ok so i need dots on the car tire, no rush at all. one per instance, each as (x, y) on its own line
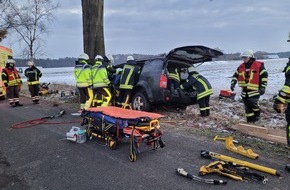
(140, 102)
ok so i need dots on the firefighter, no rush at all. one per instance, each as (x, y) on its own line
(107, 63)
(83, 77)
(283, 98)
(12, 82)
(173, 79)
(199, 83)
(33, 74)
(129, 78)
(252, 77)
(101, 82)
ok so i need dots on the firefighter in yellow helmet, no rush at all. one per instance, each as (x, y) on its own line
(252, 77)
(283, 98)
(12, 82)
(83, 77)
(101, 82)
(33, 74)
(199, 83)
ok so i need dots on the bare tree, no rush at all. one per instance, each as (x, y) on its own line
(30, 20)
(93, 27)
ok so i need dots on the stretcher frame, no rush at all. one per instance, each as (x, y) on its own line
(113, 128)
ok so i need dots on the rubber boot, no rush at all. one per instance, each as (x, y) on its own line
(18, 104)
(203, 113)
(207, 112)
(12, 105)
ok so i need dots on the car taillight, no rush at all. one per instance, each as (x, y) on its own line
(163, 81)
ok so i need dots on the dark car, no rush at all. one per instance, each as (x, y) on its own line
(152, 87)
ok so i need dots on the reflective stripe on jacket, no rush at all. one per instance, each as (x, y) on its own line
(33, 74)
(173, 74)
(129, 76)
(200, 84)
(11, 77)
(249, 79)
(99, 76)
(83, 74)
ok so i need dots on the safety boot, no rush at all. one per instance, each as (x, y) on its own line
(12, 105)
(18, 104)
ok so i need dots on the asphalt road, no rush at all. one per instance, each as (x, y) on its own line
(40, 157)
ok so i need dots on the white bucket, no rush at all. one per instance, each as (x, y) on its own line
(76, 135)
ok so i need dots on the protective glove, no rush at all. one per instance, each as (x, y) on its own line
(262, 91)
(233, 87)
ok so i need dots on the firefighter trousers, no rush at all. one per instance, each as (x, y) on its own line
(13, 94)
(34, 92)
(287, 114)
(102, 96)
(252, 108)
(86, 97)
(204, 106)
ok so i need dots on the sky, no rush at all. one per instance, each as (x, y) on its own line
(157, 26)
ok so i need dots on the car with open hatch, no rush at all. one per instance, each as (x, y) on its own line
(152, 88)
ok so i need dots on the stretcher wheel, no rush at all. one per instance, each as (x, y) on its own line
(133, 157)
(112, 143)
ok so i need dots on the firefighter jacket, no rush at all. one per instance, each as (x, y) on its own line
(82, 74)
(284, 93)
(109, 68)
(129, 75)
(10, 76)
(173, 74)
(252, 77)
(33, 74)
(99, 76)
(199, 83)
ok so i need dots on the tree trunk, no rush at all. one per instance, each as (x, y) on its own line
(93, 28)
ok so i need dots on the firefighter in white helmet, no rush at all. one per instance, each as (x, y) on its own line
(12, 82)
(252, 77)
(101, 82)
(33, 75)
(128, 80)
(82, 74)
(283, 98)
(197, 82)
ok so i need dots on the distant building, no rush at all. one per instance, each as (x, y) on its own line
(272, 56)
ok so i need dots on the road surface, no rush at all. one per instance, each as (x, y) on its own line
(41, 158)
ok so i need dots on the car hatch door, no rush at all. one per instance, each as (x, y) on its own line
(193, 54)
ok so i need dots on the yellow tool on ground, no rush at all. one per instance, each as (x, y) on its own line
(217, 167)
(234, 161)
(229, 143)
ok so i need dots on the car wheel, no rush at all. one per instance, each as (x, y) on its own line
(140, 102)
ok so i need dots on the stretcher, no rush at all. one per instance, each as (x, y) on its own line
(112, 124)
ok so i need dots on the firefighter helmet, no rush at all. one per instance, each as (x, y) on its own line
(130, 58)
(192, 69)
(10, 61)
(99, 57)
(30, 63)
(84, 56)
(288, 38)
(247, 53)
(111, 58)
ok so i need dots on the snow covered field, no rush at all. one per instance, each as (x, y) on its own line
(218, 73)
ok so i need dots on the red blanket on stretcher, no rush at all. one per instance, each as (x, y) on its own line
(124, 113)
